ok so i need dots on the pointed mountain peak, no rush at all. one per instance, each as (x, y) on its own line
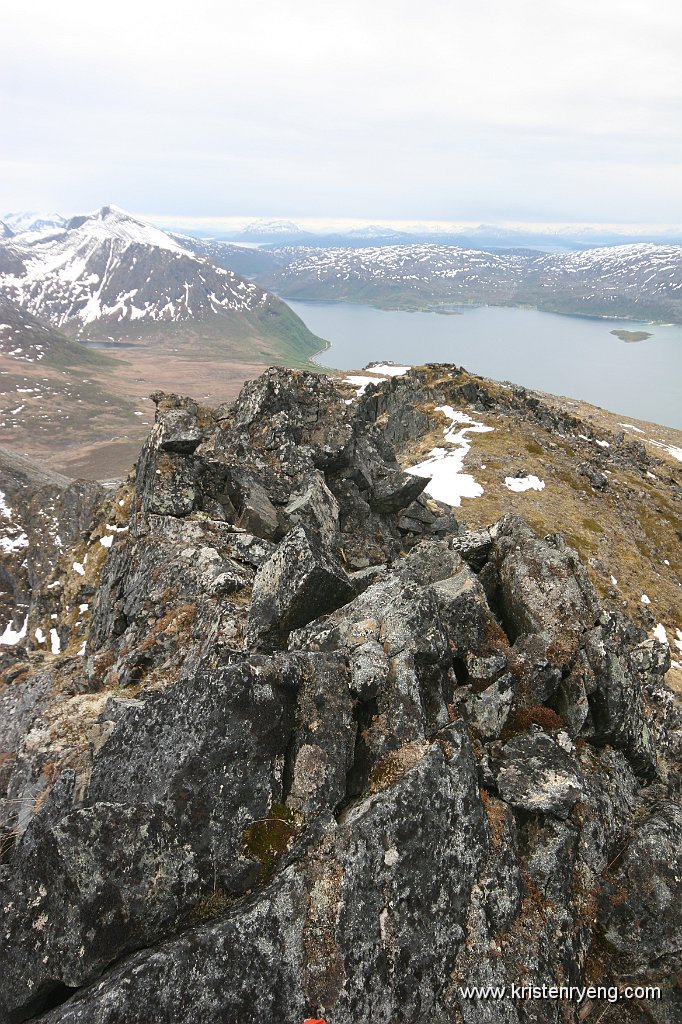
(112, 222)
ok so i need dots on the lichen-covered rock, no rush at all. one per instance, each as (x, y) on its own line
(488, 710)
(640, 908)
(365, 929)
(178, 427)
(298, 582)
(316, 509)
(395, 491)
(543, 587)
(537, 773)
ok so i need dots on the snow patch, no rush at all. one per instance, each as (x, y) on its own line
(362, 383)
(8, 545)
(389, 369)
(524, 483)
(11, 636)
(660, 634)
(671, 449)
(444, 465)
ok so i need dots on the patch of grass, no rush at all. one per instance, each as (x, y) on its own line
(593, 526)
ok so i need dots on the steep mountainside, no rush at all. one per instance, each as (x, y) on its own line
(26, 339)
(108, 275)
(243, 259)
(284, 739)
(639, 280)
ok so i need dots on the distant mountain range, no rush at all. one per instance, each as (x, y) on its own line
(29, 220)
(640, 281)
(278, 233)
(109, 275)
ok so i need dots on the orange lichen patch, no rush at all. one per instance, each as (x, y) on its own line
(395, 764)
(497, 818)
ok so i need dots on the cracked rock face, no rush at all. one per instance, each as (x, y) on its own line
(326, 753)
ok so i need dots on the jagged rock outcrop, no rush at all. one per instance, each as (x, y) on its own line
(328, 754)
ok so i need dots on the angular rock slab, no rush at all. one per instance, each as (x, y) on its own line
(171, 792)
(316, 509)
(296, 585)
(640, 907)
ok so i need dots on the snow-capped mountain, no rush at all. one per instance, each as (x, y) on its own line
(638, 280)
(643, 268)
(113, 268)
(377, 231)
(439, 272)
(29, 220)
(5, 230)
(272, 227)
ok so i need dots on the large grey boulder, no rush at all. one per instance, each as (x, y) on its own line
(299, 582)
(640, 908)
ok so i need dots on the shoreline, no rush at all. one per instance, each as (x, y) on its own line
(475, 305)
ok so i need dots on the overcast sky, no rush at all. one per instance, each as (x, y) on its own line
(445, 110)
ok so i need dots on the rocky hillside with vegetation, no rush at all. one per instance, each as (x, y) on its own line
(322, 715)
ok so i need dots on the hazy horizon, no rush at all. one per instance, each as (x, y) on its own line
(473, 113)
(329, 225)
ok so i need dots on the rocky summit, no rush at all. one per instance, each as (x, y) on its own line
(304, 746)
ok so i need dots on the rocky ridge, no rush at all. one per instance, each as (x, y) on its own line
(313, 748)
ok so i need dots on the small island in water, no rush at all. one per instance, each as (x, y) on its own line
(632, 335)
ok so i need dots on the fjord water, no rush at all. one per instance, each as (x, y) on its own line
(565, 355)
